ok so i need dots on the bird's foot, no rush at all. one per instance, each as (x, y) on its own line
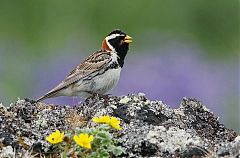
(105, 97)
(75, 100)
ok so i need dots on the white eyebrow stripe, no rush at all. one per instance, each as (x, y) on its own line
(112, 36)
(109, 45)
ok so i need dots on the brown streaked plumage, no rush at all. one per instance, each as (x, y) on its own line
(93, 63)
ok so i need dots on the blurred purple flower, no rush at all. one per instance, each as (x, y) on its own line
(177, 73)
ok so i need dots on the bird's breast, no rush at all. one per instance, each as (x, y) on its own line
(107, 81)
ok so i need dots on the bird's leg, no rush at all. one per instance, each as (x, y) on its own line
(73, 100)
(76, 100)
(105, 98)
(96, 95)
(92, 95)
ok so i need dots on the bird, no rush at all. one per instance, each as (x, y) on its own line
(97, 74)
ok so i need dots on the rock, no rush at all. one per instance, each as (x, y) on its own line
(150, 128)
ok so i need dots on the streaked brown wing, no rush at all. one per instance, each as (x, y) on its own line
(93, 63)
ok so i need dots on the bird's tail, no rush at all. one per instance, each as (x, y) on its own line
(50, 94)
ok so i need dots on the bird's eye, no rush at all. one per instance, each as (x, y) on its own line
(121, 42)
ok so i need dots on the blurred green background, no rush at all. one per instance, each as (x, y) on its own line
(42, 40)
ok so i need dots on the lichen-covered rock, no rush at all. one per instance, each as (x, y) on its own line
(149, 128)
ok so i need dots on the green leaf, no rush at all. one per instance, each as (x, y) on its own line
(63, 155)
(117, 150)
(103, 154)
(93, 155)
(89, 131)
(104, 135)
(107, 142)
(103, 127)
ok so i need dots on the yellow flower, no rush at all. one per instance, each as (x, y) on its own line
(115, 123)
(102, 119)
(83, 140)
(55, 137)
(112, 121)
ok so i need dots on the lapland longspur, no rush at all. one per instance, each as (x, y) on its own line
(99, 73)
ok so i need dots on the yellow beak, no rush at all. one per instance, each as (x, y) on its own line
(128, 39)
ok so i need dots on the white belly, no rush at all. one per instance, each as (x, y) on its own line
(107, 81)
(100, 84)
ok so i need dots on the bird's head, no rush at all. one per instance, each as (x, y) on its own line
(117, 41)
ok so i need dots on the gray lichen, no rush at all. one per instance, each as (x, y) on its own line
(149, 128)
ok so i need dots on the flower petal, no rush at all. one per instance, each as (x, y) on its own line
(55, 137)
(90, 139)
(88, 146)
